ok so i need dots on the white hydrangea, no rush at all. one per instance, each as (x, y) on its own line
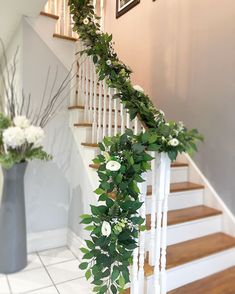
(21, 121)
(138, 88)
(34, 135)
(113, 165)
(106, 229)
(174, 142)
(13, 137)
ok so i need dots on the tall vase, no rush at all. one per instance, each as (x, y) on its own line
(13, 238)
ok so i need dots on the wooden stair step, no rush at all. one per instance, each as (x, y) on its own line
(64, 37)
(219, 283)
(83, 107)
(43, 13)
(183, 215)
(189, 251)
(180, 187)
(89, 125)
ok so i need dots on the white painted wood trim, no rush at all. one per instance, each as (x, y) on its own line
(74, 242)
(47, 240)
(211, 197)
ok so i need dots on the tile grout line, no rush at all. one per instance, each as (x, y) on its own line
(9, 285)
(48, 272)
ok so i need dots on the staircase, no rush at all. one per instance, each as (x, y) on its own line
(200, 229)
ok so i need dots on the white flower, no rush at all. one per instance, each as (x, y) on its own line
(98, 32)
(86, 21)
(13, 137)
(34, 135)
(108, 62)
(113, 165)
(21, 122)
(181, 126)
(138, 88)
(174, 142)
(106, 229)
(161, 112)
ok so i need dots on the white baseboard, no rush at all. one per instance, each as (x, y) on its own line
(74, 242)
(47, 240)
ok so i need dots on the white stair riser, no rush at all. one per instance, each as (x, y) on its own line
(196, 270)
(180, 200)
(178, 174)
(190, 230)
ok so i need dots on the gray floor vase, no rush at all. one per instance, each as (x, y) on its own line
(13, 243)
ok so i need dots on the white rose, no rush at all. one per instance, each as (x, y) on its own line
(108, 62)
(113, 165)
(21, 122)
(174, 142)
(34, 135)
(14, 137)
(106, 229)
(138, 88)
(86, 21)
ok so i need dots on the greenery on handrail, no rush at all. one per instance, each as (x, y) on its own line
(115, 224)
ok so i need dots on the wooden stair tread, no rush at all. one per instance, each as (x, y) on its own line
(183, 215)
(93, 145)
(68, 38)
(189, 251)
(219, 283)
(83, 107)
(90, 125)
(180, 187)
(43, 13)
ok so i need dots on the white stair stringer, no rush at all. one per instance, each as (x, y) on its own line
(45, 28)
(211, 197)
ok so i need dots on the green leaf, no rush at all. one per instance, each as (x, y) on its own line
(115, 273)
(88, 274)
(83, 265)
(84, 250)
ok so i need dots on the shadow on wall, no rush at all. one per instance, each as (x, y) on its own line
(46, 193)
(75, 210)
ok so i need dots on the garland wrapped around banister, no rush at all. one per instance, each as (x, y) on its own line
(114, 226)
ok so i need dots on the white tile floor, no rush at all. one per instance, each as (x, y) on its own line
(53, 271)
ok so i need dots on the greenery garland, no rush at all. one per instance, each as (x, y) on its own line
(114, 225)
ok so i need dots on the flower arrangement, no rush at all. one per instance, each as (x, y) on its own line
(115, 224)
(20, 141)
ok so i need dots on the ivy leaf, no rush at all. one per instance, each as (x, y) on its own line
(88, 274)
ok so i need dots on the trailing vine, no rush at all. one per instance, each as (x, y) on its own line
(114, 224)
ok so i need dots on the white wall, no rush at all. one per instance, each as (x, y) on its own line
(182, 53)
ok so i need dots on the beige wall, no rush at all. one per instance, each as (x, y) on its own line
(183, 53)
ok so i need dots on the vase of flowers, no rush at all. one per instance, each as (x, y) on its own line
(19, 142)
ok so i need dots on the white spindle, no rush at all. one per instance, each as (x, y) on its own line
(110, 113)
(99, 130)
(104, 109)
(115, 115)
(91, 90)
(86, 92)
(134, 280)
(95, 97)
(122, 112)
(102, 15)
(167, 163)
(136, 126)
(142, 212)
